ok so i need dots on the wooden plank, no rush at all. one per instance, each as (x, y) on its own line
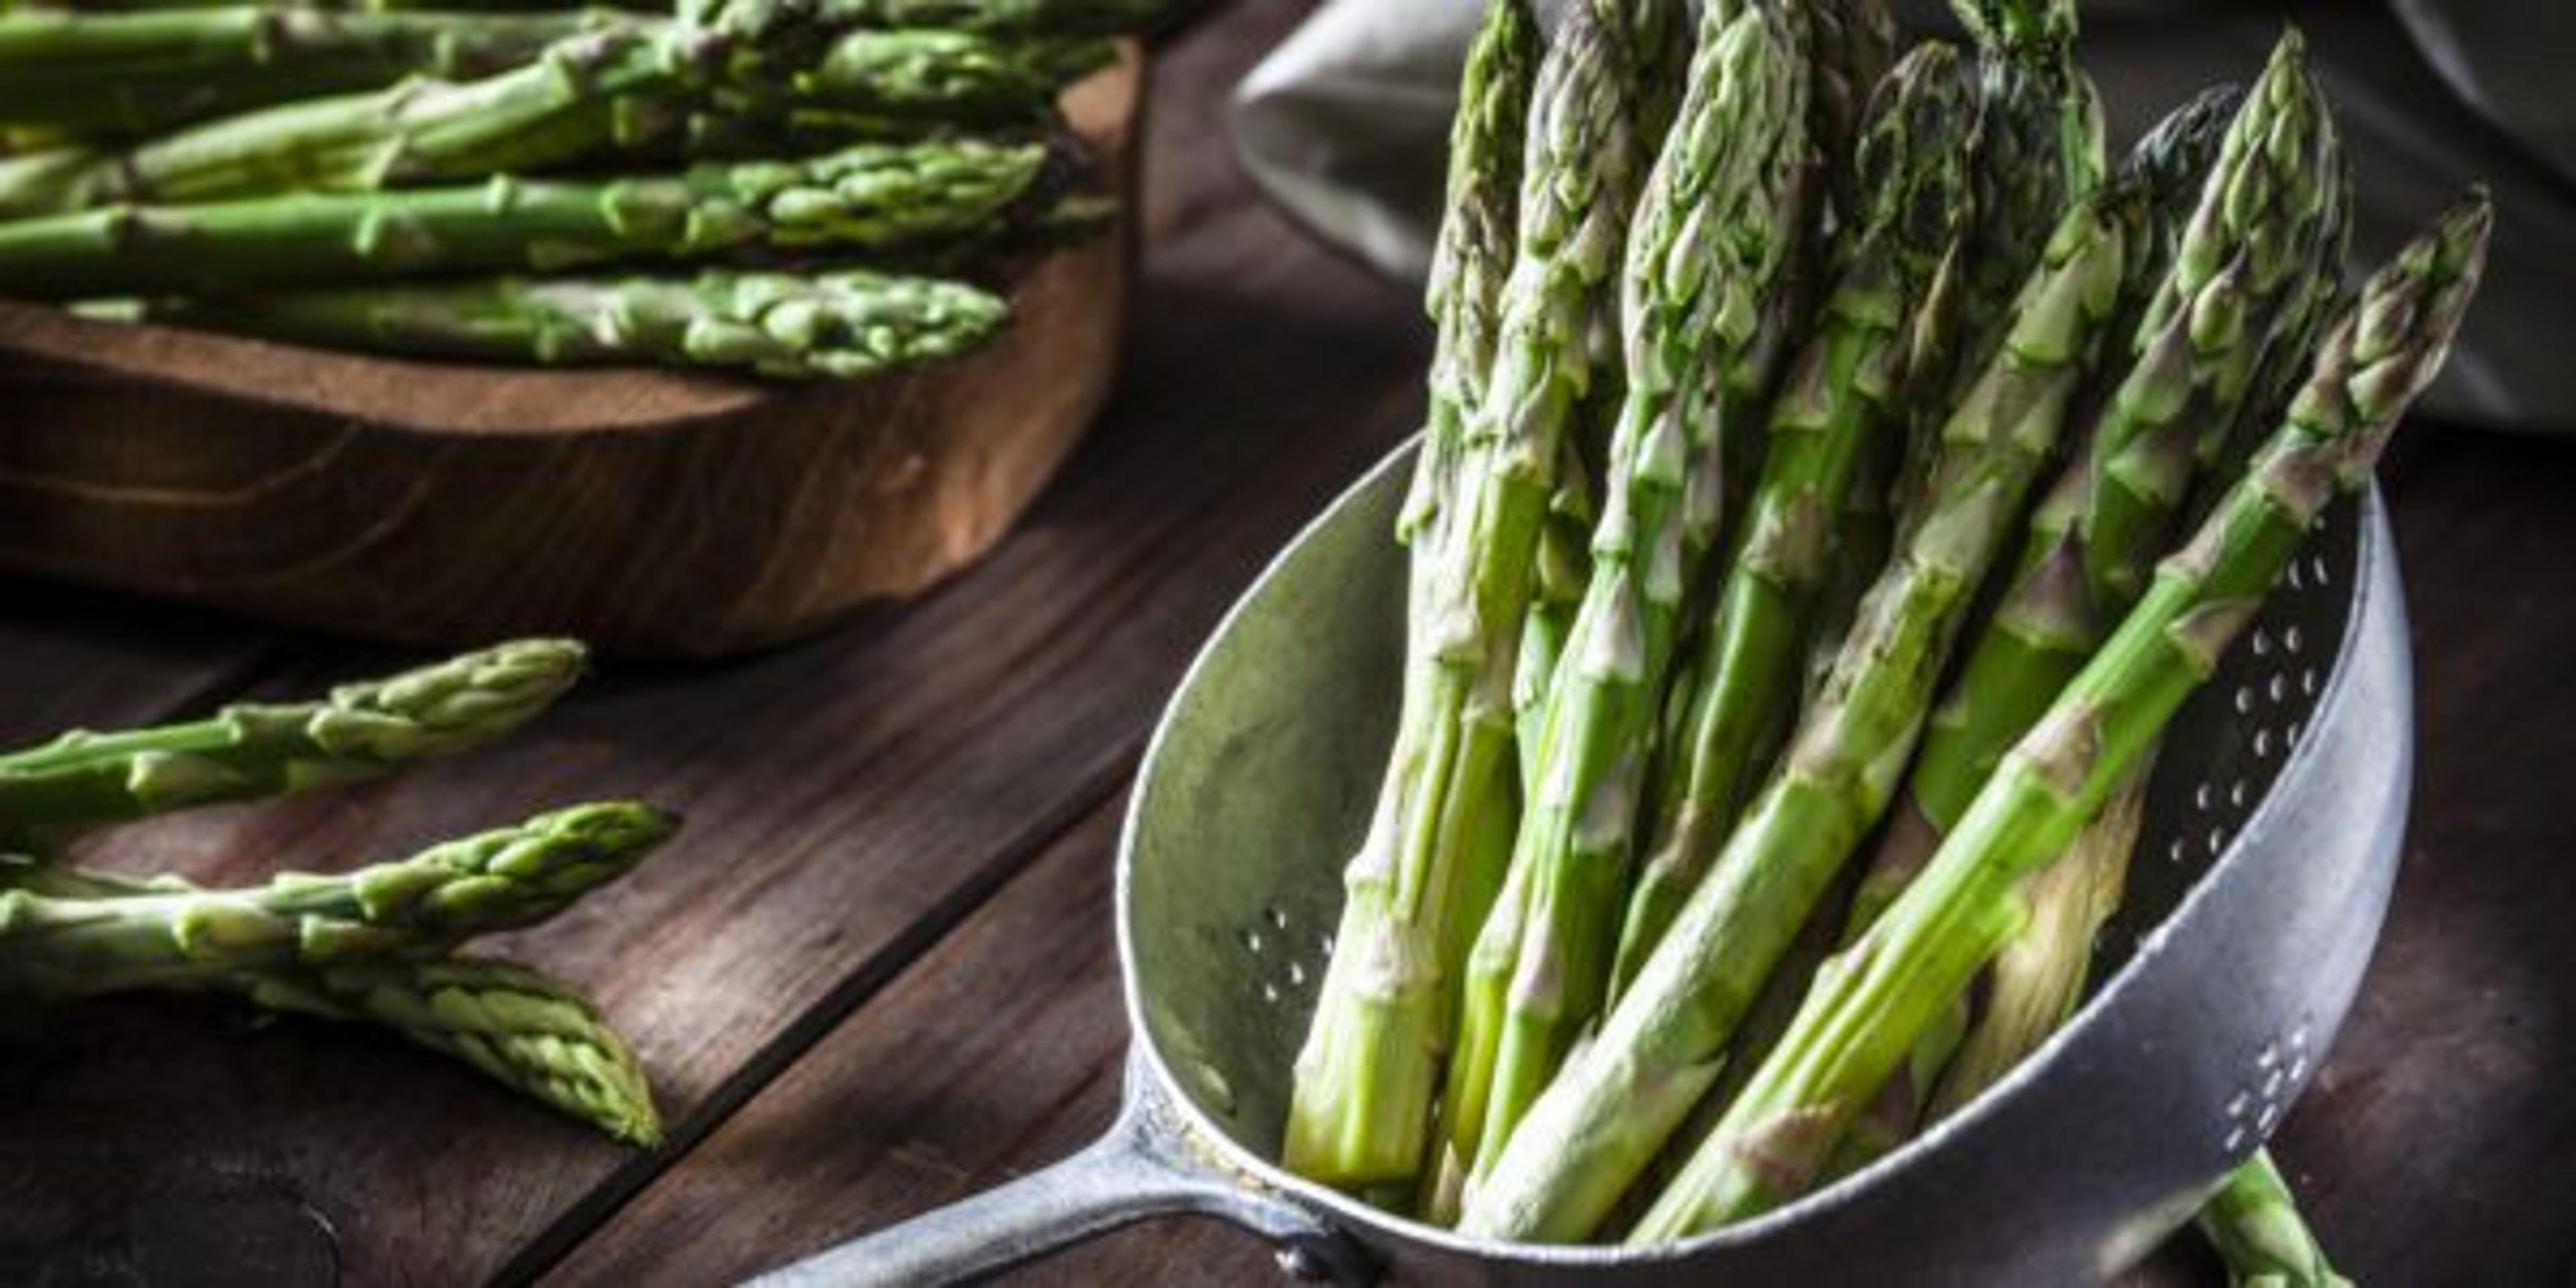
(998, 1053)
(849, 798)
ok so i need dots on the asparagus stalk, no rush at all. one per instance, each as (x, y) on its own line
(1839, 401)
(1005, 17)
(144, 71)
(1010, 17)
(1471, 263)
(421, 906)
(2254, 1223)
(841, 325)
(1564, 572)
(1871, 1004)
(1712, 233)
(1851, 44)
(622, 90)
(522, 1028)
(1473, 256)
(1614, 1107)
(2039, 146)
(898, 79)
(2091, 542)
(865, 198)
(250, 750)
(1360, 1111)
(533, 1033)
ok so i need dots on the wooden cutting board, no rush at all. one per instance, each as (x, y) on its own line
(650, 512)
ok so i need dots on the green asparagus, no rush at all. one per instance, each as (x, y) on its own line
(422, 906)
(865, 198)
(1360, 1113)
(1614, 1107)
(2039, 146)
(1838, 401)
(1871, 1003)
(258, 749)
(1852, 44)
(533, 1033)
(2093, 540)
(628, 89)
(2254, 1223)
(144, 71)
(1712, 232)
(842, 324)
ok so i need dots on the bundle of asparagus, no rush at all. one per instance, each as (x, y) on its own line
(375, 944)
(251, 167)
(2059, 425)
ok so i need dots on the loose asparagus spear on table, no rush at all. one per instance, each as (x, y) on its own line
(1871, 1003)
(1361, 1109)
(1713, 231)
(530, 1032)
(421, 906)
(1836, 403)
(839, 324)
(1615, 1105)
(260, 749)
(867, 198)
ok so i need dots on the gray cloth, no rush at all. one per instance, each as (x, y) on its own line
(1345, 123)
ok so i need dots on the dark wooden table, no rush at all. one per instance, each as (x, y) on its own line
(876, 975)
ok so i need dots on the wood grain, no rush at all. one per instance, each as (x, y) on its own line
(849, 799)
(650, 512)
(875, 973)
(999, 1053)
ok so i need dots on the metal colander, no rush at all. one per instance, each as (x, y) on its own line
(2271, 841)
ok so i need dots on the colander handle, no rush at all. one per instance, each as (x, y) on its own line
(1141, 1168)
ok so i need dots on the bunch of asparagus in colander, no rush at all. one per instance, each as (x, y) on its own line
(1938, 457)
(377, 944)
(796, 188)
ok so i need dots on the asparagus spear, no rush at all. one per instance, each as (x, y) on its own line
(843, 325)
(626, 89)
(420, 906)
(1712, 233)
(1473, 256)
(144, 71)
(2039, 146)
(896, 79)
(1851, 45)
(2254, 1223)
(1872, 1002)
(534, 1033)
(869, 197)
(1839, 401)
(1010, 17)
(1361, 1107)
(1471, 263)
(1615, 1106)
(249, 750)
(2090, 544)
(531, 1032)
(2045, 607)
